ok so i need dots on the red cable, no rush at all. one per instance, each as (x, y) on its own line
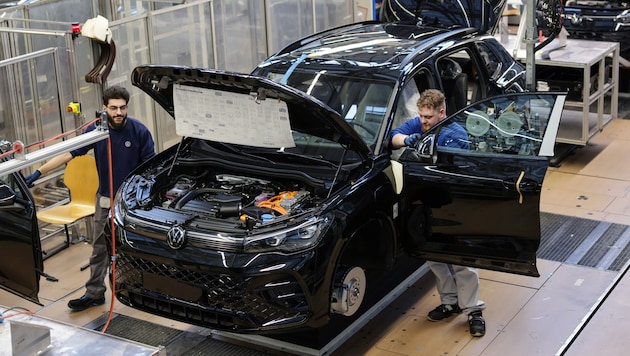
(112, 226)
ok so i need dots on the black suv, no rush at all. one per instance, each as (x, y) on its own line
(284, 196)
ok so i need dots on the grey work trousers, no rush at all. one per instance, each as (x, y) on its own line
(100, 259)
(457, 285)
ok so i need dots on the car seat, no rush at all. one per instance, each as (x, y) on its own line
(455, 84)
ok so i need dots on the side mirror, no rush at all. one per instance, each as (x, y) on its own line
(424, 151)
(426, 148)
(7, 195)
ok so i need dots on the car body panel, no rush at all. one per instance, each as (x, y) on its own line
(21, 261)
(480, 206)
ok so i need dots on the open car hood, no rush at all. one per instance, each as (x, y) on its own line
(483, 15)
(306, 114)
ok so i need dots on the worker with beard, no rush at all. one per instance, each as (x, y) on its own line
(458, 286)
(131, 145)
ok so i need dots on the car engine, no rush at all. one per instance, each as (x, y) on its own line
(233, 197)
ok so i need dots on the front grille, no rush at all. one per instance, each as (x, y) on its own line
(199, 237)
(204, 242)
(225, 301)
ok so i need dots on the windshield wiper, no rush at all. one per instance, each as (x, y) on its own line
(242, 152)
(318, 159)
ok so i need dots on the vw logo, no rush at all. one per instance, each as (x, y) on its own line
(176, 237)
(575, 19)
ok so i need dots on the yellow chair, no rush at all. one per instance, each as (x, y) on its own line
(81, 179)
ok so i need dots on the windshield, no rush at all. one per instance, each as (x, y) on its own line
(361, 102)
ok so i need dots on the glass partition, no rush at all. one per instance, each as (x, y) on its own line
(30, 107)
(240, 39)
(224, 34)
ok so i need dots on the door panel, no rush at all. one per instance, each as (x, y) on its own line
(480, 206)
(20, 247)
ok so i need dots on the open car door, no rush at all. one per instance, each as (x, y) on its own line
(21, 262)
(479, 206)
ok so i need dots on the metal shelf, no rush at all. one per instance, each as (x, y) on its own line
(579, 123)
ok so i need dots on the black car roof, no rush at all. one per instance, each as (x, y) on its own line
(370, 49)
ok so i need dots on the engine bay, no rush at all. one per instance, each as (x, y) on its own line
(251, 201)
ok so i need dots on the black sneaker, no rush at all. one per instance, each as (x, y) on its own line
(476, 324)
(443, 311)
(84, 302)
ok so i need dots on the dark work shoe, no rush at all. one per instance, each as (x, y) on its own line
(443, 311)
(84, 302)
(476, 324)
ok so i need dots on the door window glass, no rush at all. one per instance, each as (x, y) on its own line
(504, 125)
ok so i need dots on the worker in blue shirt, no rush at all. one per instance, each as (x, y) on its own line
(131, 145)
(458, 286)
(410, 132)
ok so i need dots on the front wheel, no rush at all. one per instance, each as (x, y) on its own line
(348, 291)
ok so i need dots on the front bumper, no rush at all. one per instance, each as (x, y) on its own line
(257, 293)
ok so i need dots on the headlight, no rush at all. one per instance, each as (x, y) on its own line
(120, 208)
(294, 239)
